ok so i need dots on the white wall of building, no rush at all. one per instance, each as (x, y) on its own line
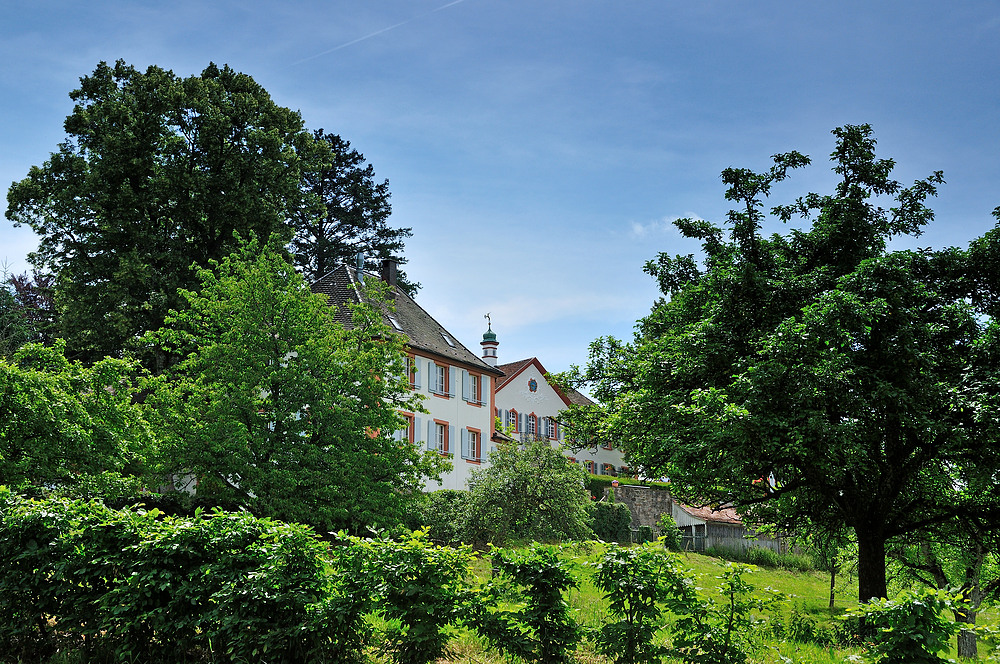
(458, 411)
(544, 401)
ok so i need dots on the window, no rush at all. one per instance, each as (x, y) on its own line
(470, 387)
(607, 469)
(472, 445)
(448, 340)
(408, 431)
(550, 428)
(530, 425)
(411, 370)
(440, 379)
(512, 420)
(439, 436)
(589, 467)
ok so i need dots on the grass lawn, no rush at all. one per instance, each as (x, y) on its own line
(807, 593)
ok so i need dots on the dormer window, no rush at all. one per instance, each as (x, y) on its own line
(395, 323)
(448, 340)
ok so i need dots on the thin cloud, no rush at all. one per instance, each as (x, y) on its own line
(377, 32)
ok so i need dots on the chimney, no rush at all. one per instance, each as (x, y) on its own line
(389, 271)
(361, 267)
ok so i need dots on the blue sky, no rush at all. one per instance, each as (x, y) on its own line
(540, 149)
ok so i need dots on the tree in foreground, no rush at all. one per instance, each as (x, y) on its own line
(814, 376)
(64, 426)
(278, 407)
(156, 173)
(528, 493)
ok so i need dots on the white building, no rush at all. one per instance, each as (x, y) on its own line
(529, 406)
(464, 393)
(457, 386)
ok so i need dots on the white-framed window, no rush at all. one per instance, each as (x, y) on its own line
(550, 428)
(441, 437)
(471, 445)
(530, 425)
(511, 420)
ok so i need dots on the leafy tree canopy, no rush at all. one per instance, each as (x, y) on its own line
(64, 425)
(529, 492)
(278, 407)
(356, 216)
(814, 375)
(157, 172)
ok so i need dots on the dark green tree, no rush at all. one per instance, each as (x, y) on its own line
(811, 376)
(278, 407)
(356, 216)
(156, 173)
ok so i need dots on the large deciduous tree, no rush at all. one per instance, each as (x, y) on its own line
(356, 214)
(156, 173)
(814, 375)
(278, 407)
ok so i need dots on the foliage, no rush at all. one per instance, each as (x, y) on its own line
(279, 407)
(65, 425)
(633, 581)
(912, 628)
(538, 627)
(444, 514)
(598, 484)
(142, 586)
(707, 633)
(814, 377)
(529, 492)
(670, 534)
(420, 588)
(764, 557)
(15, 328)
(156, 173)
(356, 209)
(612, 522)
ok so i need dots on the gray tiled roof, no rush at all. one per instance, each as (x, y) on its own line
(419, 328)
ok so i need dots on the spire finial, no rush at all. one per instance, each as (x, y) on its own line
(489, 323)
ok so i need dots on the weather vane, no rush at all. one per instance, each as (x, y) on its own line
(489, 323)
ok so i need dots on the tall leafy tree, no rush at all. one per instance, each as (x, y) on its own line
(356, 216)
(156, 173)
(278, 407)
(815, 375)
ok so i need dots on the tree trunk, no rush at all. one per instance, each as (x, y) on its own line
(833, 584)
(871, 565)
(968, 647)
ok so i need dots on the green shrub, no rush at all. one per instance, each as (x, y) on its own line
(633, 581)
(522, 612)
(645, 534)
(597, 484)
(528, 493)
(763, 557)
(420, 589)
(612, 522)
(911, 628)
(138, 585)
(669, 532)
(444, 514)
(707, 632)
